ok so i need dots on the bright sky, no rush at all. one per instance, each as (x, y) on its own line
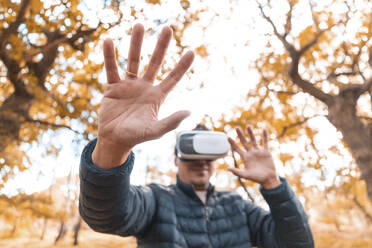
(233, 40)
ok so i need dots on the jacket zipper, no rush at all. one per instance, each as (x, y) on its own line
(206, 224)
(206, 213)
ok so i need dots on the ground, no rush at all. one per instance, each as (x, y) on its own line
(90, 239)
(87, 239)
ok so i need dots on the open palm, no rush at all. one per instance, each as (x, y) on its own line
(129, 109)
(258, 163)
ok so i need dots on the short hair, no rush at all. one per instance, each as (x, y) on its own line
(201, 127)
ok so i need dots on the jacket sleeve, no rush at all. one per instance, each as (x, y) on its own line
(285, 226)
(108, 203)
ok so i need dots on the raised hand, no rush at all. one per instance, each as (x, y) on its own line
(258, 163)
(128, 114)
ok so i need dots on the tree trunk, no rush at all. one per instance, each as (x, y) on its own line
(363, 210)
(356, 134)
(77, 228)
(341, 107)
(14, 229)
(337, 225)
(61, 233)
(12, 116)
(62, 230)
(44, 229)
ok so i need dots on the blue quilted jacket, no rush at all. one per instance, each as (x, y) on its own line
(174, 216)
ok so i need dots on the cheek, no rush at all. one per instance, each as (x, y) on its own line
(184, 169)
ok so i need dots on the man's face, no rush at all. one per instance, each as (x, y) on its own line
(195, 172)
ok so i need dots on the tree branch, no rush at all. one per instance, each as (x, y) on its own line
(295, 56)
(364, 211)
(310, 43)
(354, 67)
(14, 25)
(289, 47)
(80, 34)
(240, 180)
(365, 117)
(12, 66)
(357, 89)
(50, 51)
(285, 129)
(334, 75)
(13, 70)
(356, 58)
(305, 85)
(367, 86)
(44, 49)
(49, 124)
(313, 15)
(282, 91)
(288, 22)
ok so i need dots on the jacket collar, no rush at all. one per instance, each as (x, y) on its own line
(189, 190)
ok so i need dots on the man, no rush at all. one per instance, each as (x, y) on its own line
(175, 216)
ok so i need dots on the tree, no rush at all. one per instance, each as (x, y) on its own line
(48, 74)
(47, 77)
(325, 62)
(23, 210)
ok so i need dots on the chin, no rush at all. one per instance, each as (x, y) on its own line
(201, 183)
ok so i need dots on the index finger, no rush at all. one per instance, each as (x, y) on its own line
(110, 62)
(235, 147)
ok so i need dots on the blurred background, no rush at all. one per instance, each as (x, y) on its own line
(301, 69)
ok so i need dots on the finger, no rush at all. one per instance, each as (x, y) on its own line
(176, 74)
(265, 139)
(235, 147)
(169, 123)
(238, 172)
(251, 136)
(242, 139)
(135, 50)
(159, 53)
(112, 74)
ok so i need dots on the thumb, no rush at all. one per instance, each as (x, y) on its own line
(171, 122)
(238, 172)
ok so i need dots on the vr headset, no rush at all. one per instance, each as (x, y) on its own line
(201, 145)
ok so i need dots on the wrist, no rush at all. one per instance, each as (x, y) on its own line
(107, 155)
(271, 183)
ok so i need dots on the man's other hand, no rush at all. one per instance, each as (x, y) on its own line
(258, 162)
